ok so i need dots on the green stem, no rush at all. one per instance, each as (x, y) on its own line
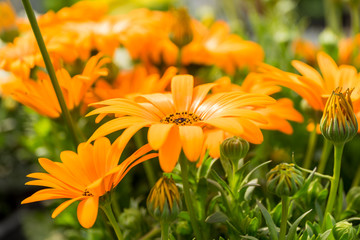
(333, 15)
(164, 230)
(324, 156)
(178, 60)
(354, 13)
(50, 69)
(151, 234)
(356, 180)
(149, 171)
(187, 195)
(284, 216)
(106, 207)
(315, 173)
(338, 150)
(311, 147)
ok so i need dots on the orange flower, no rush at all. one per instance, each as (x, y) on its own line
(131, 83)
(84, 176)
(176, 121)
(313, 87)
(40, 94)
(305, 49)
(7, 16)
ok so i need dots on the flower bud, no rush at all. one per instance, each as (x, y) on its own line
(344, 230)
(164, 201)
(181, 31)
(338, 123)
(284, 180)
(234, 148)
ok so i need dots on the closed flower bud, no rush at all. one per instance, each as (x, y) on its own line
(338, 123)
(164, 201)
(344, 231)
(284, 180)
(181, 32)
(234, 148)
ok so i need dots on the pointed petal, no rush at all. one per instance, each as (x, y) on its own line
(170, 151)
(87, 211)
(163, 102)
(308, 72)
(199, 94)
(191, 141)
(328, 69)
(64, 205)
(182, 91)
(158, 133)
(230, 125)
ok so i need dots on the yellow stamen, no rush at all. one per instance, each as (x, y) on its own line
(181, 118)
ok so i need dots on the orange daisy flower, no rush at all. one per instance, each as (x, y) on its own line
(312, 86)
(176, 121)
(84, 176)
(129, 84)
(40, 94)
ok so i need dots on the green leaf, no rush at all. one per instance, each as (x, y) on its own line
(269, 222)
(251, 186)
(292, 230)
(217, 217)
(249, 237)
(206, 166)
(325, 235)
(246, 179)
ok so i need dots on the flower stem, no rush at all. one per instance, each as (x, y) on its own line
(333, 15)
(187, 195)
(284, 216)
(356, 180)
(338, 150)
(311, 148)
(324, 156)
(354, 13)
(106, 207)
(164, 230)
(149, 171)
(178, 60)
(50, 69)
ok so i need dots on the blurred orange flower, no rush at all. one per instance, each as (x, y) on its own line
(40, 95)
(84, 176)
(177, 121)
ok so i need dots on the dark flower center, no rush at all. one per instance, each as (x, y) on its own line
(181, 118)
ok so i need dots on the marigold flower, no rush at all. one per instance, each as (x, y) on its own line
(164, 201)
(176, 121)
(338, 123)
(84, 176)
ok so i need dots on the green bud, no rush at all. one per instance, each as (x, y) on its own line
(164, 201)
(338, 123)
(234, 148)
(284, 180)
(344, 231)
(181, 29)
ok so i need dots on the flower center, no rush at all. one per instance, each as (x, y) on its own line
(181, 118)
(87, 193)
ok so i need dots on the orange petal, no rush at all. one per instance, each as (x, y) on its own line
(308, 72)
(170, 151)
(191, 141)
(64, 205)
(158, 133)
(328, 69)
(230, 125)
(87, 211)
(182, 91)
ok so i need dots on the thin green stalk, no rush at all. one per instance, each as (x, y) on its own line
(149, 171)
(106, 207)
(151, 234)
(164, 230)
(324, 155)
(311, 148)
(338, 150)
(333, 15)
(188, 198)
(356, 180)
(178, 60)
(50, 69)
(355, 19)
(284, 216)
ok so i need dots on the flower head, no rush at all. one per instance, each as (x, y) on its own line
(177, 121)
(84, 176)
(284, 180)
(164, 201)
(181, 32)
(338, 123)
